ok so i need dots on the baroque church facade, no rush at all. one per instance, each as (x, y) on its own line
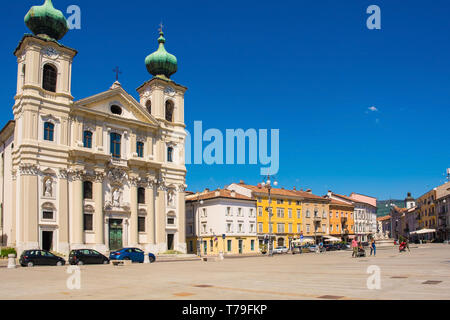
(102, 172)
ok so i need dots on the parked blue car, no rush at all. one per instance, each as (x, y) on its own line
(133, 254)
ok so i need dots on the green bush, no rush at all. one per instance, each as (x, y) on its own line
(173, 252)
(6, 251)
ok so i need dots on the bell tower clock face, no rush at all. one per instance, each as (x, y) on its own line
(169, 91)
(50, 52)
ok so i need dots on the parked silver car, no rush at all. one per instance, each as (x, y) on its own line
(280, 250)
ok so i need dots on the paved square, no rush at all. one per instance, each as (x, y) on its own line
(421, 274)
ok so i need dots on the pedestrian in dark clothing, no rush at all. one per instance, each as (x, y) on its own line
(373, 248)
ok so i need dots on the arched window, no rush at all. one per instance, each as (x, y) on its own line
(148, 105)
(87, 190)
(49, 78)
(87, 139)
(141, 195)
(169, 154)
(169, 110)
(49, 131)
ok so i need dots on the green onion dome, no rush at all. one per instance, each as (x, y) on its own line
(47, 21)
(161, 63)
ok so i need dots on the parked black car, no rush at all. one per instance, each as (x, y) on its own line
(30, 258)
(87, 256)
(331, 247)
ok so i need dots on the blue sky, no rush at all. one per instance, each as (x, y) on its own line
(309, 68)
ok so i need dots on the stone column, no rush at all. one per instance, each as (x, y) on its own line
(134, 235)
(29, 205)
(63, 214)
(77, 209)
(99, 215)
(181, 220)
(160, 217)
(150, 220)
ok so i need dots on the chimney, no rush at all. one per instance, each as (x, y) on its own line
(259, 186)
(205, 191)
(241, 182)
(217, 192)
(295, 189)
(329, 194)
(309, 191)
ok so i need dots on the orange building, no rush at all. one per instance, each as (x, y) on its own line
(341, 220)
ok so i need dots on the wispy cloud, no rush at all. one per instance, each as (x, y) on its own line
(373, 109)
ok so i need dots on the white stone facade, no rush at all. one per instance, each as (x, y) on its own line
(76, 174)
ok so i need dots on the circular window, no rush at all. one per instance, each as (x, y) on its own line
(116, 109)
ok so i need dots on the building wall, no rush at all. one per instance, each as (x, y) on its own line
(49, 175)
(213, 214)
(341, 216)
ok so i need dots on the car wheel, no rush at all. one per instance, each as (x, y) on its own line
(152, 259)
(80, 263)
(59, 263)
(30, 264)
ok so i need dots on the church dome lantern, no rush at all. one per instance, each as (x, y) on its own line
(46, 21)
(160, 63)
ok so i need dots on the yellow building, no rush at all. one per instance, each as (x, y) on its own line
(221, 221)
(293, 213)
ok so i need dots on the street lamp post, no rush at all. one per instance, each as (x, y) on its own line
(267, 183)
(392, 218)
(199, 244)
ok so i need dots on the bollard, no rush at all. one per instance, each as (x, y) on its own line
(221, 256)
(146, 258)
(11, 261)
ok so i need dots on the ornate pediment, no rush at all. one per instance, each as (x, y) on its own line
(129, 108)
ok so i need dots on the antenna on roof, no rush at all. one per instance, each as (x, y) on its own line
(448, 174)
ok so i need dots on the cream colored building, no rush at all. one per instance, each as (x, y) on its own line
(221, 221)
(102, 172)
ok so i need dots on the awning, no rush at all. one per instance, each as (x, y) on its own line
(351, 236)
(423, 231)
(304, 240)
(332, 239)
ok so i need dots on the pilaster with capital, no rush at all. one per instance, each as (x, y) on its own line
(134, 235)
(98, 207)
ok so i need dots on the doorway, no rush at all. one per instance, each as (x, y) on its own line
(115, 234)
(47, 240)
(170, 238)
(240, 246)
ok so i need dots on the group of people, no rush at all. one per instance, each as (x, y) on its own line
(358, 246)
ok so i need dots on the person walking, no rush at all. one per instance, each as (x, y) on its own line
(373, 248)
(355, 248)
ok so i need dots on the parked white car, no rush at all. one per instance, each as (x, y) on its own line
(280, 250)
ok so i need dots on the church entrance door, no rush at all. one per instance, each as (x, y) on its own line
(115, 234)
(170, 238)
(47, 240)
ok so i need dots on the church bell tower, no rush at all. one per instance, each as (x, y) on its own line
(41, 138)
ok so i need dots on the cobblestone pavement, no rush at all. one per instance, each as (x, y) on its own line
(421, 274)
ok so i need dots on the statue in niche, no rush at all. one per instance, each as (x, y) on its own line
(48, 189)
(116, 198)
(171, 198)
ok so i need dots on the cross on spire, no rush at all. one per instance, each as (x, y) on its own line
(117, 72)
(161, 27)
